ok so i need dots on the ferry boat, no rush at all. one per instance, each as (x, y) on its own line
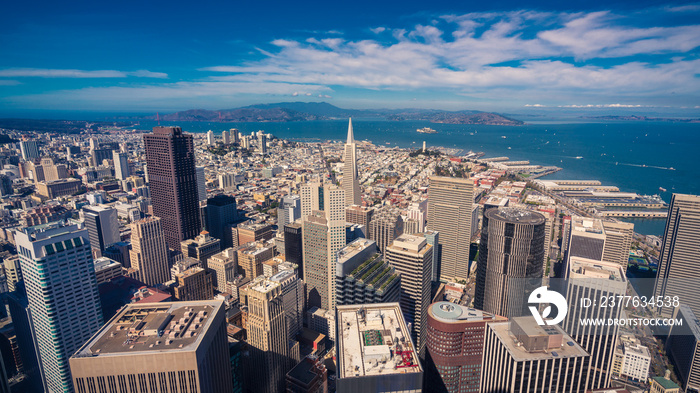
(662, 189)
(426, 130)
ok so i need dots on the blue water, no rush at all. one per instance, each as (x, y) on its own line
(612, 152)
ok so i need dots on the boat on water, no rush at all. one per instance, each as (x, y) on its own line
(426, 130)
(578, 157)
(662, 189)
(671, 169)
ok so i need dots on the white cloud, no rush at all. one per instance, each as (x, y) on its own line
(71, 73)
(555, 59)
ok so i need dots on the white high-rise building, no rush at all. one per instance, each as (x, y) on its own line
(289, 210)
(227, 181)
(350, 182)
(210, 137)
(29, 150)
(226, 137)
(121, 165)
(59, 275)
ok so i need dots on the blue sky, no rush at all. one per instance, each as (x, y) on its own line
(511, 56)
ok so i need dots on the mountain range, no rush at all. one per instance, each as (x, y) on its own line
(305, 111)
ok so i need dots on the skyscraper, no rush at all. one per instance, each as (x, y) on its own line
(210, 137)
(226, 137)
(292, 299)
(363, 277)
(173, 183)
(683, 348)
(359, 215)
(375, 351)
(323, 234)
(521, 356)
(678, 262)
(221, 211)
(454, 347)
(267, 336)
(29, 150)
(510, 262)
(450, 205)
(201, 184)
(385, 226)
(294, 246)
(61, 287)
(165, 347)
(103, 227)
(594, 280)
(412, 257)
(603, 240)
(289, 210)
(121, 165)
(149, 252)
(351, 184)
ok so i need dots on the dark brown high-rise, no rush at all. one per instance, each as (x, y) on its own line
(173, 184)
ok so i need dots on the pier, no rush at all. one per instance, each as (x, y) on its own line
(633, 213)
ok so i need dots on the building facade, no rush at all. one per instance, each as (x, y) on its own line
(678, 260)
(454, 347)
(57, 264)
(412, 257)
(510, 264)
(450, 205)
(165, 347)
(173, 183)
(351, 184)
(149, 251)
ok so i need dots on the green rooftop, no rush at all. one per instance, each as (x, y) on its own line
(666, 383)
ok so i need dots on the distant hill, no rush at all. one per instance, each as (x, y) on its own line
(642, 118)
(303, 111)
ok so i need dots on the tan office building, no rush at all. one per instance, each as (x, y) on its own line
(450, 206)
(164, 347)
(149, 251)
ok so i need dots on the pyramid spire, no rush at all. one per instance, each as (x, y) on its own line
(351, 137)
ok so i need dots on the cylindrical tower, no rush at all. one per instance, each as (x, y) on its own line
(510, 262)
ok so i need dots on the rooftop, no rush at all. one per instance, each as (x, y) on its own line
(455, 313)
(588, 268)
(374, 340)
(354, 248)
(303, 371)
(153, 327)
(585, 224)
(665, 383)
(569, 348)
(409, 242)
(515, 215)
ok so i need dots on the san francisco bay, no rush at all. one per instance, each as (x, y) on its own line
(639, 157)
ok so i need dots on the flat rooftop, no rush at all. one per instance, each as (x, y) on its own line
(585, 224)
(153, 327)
(409, 242)
(588, 268)
(374, 340)
(568, 349)
(454, 313)
(515, 215)
(354, 248)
